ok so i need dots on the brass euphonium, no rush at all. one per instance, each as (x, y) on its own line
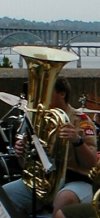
(46, 159)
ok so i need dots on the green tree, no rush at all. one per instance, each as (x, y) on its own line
(6, 63)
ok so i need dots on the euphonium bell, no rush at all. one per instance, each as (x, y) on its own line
(44, 168)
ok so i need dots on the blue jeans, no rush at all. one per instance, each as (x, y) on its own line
(22, 196)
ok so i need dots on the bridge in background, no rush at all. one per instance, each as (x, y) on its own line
(50, 36)
(81, 50)
(63, 39)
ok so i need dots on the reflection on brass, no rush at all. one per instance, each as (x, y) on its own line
(96, 203)
(94, 174)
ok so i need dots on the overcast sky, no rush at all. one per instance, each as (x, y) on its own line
(51, 10)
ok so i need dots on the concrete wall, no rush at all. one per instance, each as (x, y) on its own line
(85, 81)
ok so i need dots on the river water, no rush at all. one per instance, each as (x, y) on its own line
(90, 61)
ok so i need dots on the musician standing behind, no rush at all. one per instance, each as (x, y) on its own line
(80, 132)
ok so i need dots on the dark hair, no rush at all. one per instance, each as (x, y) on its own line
(62, 85)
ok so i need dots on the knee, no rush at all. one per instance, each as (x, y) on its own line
(66, 198)
(62, 199)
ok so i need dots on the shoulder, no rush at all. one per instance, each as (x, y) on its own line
(83, 121)
(77, 114)
(86, 123)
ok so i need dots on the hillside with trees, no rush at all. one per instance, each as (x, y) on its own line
(7, 22)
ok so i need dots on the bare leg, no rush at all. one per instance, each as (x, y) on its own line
(62, 199)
